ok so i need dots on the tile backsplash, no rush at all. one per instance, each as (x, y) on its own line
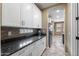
(11, 32)
(25, 31)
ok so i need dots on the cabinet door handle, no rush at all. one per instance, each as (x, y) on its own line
(77, 37)
(38, 25)
(23, 23)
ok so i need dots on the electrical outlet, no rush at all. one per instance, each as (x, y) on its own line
(9, 33)
(21, 31)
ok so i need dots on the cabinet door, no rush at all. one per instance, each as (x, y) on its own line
(36, 49)
(28, 51)
(11, 14)
(39, 47)
(77, 27)
(26, 15)
(40, 18)
(36, 17)
(44, 43)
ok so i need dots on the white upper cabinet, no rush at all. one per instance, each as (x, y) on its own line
(21, 15)
(37, 17)
(11, 14)
(27, 15)
(31, 16)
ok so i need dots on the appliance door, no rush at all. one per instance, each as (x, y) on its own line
(50, 39)
(77, 29)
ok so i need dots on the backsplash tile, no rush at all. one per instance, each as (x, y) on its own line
(11, 32)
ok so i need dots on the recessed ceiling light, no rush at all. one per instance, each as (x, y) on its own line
(57, 11)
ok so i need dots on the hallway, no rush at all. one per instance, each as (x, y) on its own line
(57, 48)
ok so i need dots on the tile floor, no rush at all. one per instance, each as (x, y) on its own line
(57, 48)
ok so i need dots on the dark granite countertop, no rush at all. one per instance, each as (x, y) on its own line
(13, 46)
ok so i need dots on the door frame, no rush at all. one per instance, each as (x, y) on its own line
(64, 5)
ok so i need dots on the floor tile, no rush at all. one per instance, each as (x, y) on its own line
(57, 48)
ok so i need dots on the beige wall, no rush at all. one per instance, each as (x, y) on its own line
(71, 29)
(45, 22)
(45, 18)
(68, 29)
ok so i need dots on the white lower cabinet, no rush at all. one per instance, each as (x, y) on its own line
(34, 49)
(28, 51)
(39, 47)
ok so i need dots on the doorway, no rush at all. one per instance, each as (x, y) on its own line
(56, 31)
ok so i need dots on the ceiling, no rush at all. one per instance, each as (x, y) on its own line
(45, 5)
(56, 14)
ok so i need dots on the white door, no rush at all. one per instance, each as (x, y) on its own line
(11, 14)
(26, 15)
(77, 29)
